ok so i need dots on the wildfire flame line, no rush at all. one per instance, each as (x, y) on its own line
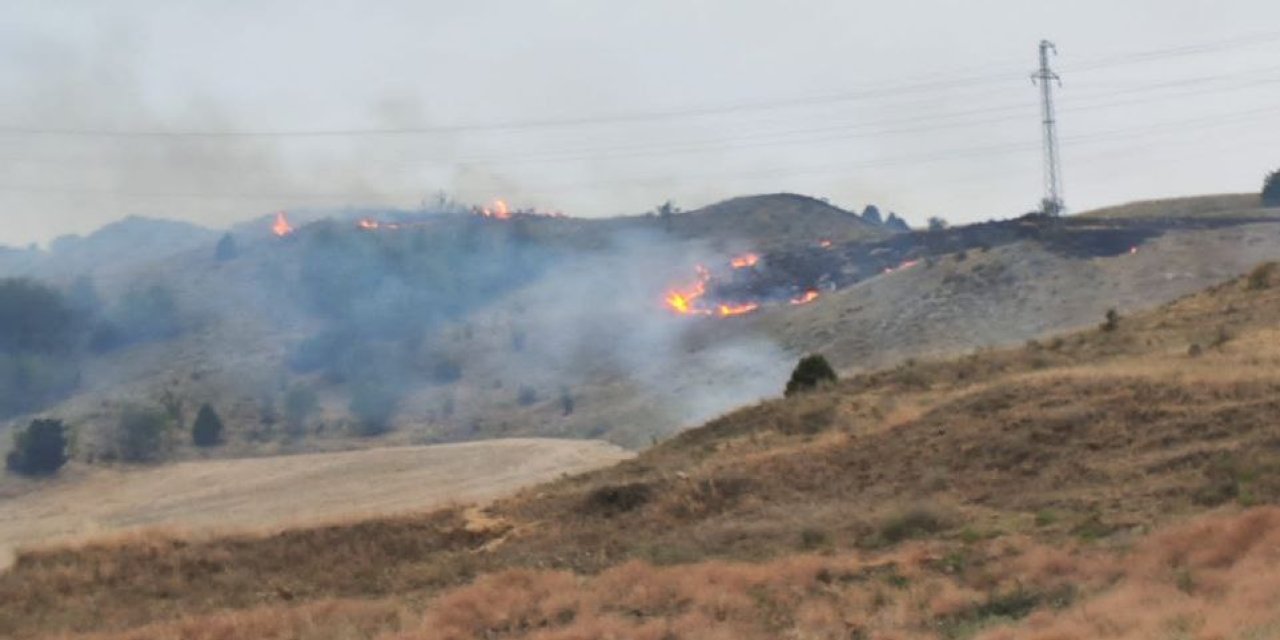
(281, 227)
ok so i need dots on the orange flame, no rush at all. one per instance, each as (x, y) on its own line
(809, 296)
(281, 227)
(745, 260)
(498, 210)
(682, 300)
(727, 310)
(824, 243)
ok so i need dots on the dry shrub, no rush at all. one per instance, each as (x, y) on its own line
(1217, 577)
(611, 500)
(1262, 277)
(322, 620)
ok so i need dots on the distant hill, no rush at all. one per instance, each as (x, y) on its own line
(124, 244)
(775, 219)
(1224, 205)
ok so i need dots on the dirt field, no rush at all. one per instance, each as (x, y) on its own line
(256, 493)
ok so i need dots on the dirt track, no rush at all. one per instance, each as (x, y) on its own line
(259, 493)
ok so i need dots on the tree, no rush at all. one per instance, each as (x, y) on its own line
(666, 211)
(1271, 190)
(226, 249)
(299, 404)
(40, 449)
(811, 371)
(374, 404)
(872, 214)
(895, 223)
(937, 224)
(207, 430)
(142, 433)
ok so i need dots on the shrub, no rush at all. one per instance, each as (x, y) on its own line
(207, 430)
(811, 371)
(1261, 277)
(1271, 190)
(226, 249)
(913, 523)
(300, 403)
(373, 405)
(611, 500)
(40, 449)
(142, 433)
(1111, 321)
(526, 396)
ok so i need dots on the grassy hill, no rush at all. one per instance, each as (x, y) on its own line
(1225, 205)
(1041, 491)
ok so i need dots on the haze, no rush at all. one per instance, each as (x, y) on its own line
(606, 108)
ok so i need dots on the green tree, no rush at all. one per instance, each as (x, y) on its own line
(226, 249)
(811, 371)
(142, 433)
(300, 403)
(207, 430)
(40, 449)
(374, 404)
(1271, 190)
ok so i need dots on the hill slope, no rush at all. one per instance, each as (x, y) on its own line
(1002, 494)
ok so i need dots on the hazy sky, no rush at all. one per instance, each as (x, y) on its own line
(218, 111)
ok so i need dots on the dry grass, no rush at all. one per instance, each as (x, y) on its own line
(1215, 205)
(943, 499)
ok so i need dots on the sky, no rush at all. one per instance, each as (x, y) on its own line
(217, 112)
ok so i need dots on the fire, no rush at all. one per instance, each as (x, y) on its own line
(1133, 251)
(281, 227)
(368, 223)
(809, 296)
(683, 300)
(824, 243)
(745, 260)
(727, 310)
(498, 210)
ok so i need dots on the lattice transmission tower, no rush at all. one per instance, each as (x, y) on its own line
(1045, 79)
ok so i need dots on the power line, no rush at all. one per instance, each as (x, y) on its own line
(865, 93)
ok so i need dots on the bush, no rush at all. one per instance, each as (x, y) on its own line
(207, 430)
(811, 371)
(226, 249)
(40, 449)
(300, 403)
(1111, 321)
(1261, 277)
(142, 433)
(1271, 190)
(373, 405)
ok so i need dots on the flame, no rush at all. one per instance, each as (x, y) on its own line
(824, 243)
(498, 210)
(745, 260)
(281, 227)
(727, 310)
(682, 300)
(368, 223)
(809, 296)
(1133, 250)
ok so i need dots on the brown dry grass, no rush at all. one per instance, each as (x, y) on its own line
(936, 499)
(1220, 205)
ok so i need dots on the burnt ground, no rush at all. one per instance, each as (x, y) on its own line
(785, 274)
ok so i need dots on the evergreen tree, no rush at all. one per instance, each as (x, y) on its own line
(40, 449)
(207, 430)
(895, 223)
(872, 214)
(811, 371)
(226, 249)
(1271, 190)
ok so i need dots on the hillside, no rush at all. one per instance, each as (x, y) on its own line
(1225, 205)
(1032, 492)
